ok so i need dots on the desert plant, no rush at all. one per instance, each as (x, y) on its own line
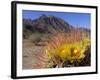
(35, 37)
(66, 47)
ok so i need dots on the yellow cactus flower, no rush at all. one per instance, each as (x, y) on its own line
(67, 51)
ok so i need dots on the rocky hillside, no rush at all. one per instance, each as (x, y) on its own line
(45, 24)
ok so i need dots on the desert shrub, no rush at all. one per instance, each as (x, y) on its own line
(35, 37)
(26, 33)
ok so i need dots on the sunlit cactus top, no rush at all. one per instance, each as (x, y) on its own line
(68, 47)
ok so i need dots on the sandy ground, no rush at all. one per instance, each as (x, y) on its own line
(30, 53)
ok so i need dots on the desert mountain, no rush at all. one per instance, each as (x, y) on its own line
(44, 23)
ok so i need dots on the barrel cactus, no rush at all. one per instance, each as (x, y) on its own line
(63, 48)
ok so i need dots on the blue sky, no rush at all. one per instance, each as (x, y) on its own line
(75, 19)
